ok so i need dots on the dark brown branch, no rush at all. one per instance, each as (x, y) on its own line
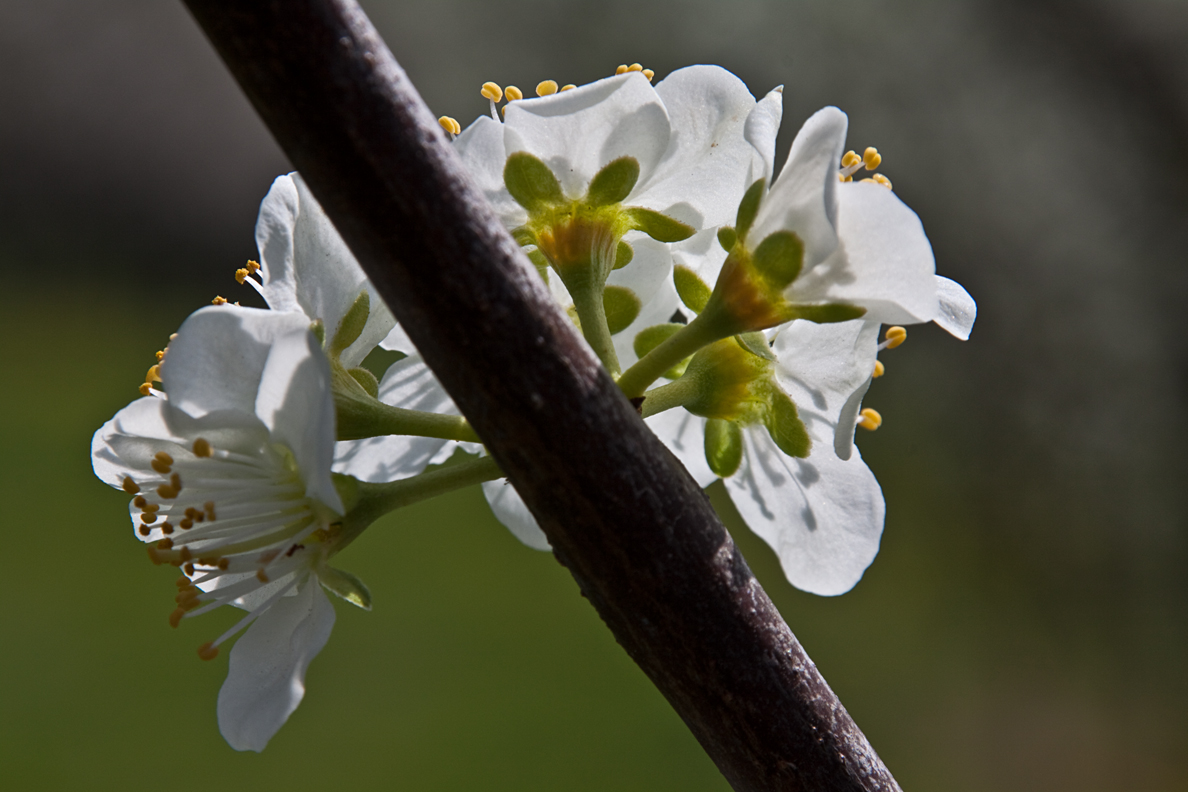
(637, 533)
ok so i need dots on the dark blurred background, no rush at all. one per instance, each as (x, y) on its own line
(1024, 626)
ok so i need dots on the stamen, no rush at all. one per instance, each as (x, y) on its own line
(162, 463)
(879, 179)
(261, 575)
(635, 67)
(546, 88)
(154, 374)
(252, 267)
(201, 448)
(241, 275)
(130, 486)
(219, 301)
(208, 651)
(160, 354)
(622, 69)
(188, 569)
(870, 419)
(850, 159)
(450, 125)
(208, 507)
(513, 93)
(649, 74)
(871, 158)
(895, 336)
(879, 369)
(148, 518)
(568, 87)
(145, 389)
(165, 544)
(492, 91)
(139, 502)
(166, 528)
(144, 530)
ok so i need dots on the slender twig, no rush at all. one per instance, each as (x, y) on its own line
(638, 535)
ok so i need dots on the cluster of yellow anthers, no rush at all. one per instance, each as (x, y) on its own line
(870, 159)
(154, 372)
(869, 418)
(495, 94)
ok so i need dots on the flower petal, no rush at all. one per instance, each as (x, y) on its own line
(803, 198)
(218, 357)
(707, 165)
(295, 403)
(509, 508)
(684, 435)
(482, 150)
(125, 445)
(266, 673)
(579, 131)
(763, 124)
(407, 383)
(822, 516)
(957, 309)
(885, 262)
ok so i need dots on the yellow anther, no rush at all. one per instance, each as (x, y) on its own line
(546, 88)
(182, 582)
(649, 74)
(160, 355)
(622, 69)
(161, 463)
(165, 544)
(252, 266)
(241, 275)
(186, 524)
(843, 178)
(635, 67)
(201, 448)
(850, 159)
(223, 563)
(153, 375)
(450, 125)
(175, 482)
(172, 336)
(568, 87)
(879, 369)
(185, 555)
(219, 301)
(151, 508)
(870, 419)
(261, 576)
(188, 569)
(176, 617)
(167, 492)
(895, 336)
(148, 517)
(139, 502)
(513, 93)
(492, 91)
(144, 530)
(154, 556)
(130, 486)
(208, 651)
(871, 158)
(145, 389)
(166, 528)
(880, 179)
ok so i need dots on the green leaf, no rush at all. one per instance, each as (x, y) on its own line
(651, 337)
(623, 255)
(659, 227)
(345, 585)
(723, 446)
(748, 207)
(779, 257)
(530, 182)
(621, 306)
(828, 313)
(351, 326)
(786, 428)
(692, 290)
(367, 380)
(614, 183)
(727, 236)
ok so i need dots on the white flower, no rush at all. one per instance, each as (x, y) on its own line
(230, 468)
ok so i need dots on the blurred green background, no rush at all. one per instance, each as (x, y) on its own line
(1025, 625)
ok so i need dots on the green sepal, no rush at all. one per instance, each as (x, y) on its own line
(366, 379)
(651, 337)
(756, 344)
(748, 207)
(613, 183)
(693, 291)
(351, 326)
(621, 307)
(623, 254)
(530, 182)
(727, 236)
(723, 446)
(524, 236)
(785, 427)
(779, 258)
(826, 314)
(319, 330)
(345, 585)
(659, 227)
(541, 263)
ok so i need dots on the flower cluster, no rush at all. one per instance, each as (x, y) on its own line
(262, 444)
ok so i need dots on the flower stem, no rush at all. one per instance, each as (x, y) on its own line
(360, 417)
(672, 394)
(587, 301)
(684, 343)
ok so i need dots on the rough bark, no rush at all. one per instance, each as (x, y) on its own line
(638, 535)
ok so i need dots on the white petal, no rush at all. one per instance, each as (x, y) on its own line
(657, 310)
(482, 150)
(826, 369)
(295, 403)
(701, 253)
(266, 673)
(763, 124)
(511, 510)
(274, 240)
(885, 262)
(398, 341)
(218, 357)
(957, 309)
(577, 132)
(125, 445)
(407, 383)
(823, 517)
(705, 170)
(804, 197)
(684, 435)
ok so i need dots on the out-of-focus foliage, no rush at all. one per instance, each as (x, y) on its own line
(1024, 626)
